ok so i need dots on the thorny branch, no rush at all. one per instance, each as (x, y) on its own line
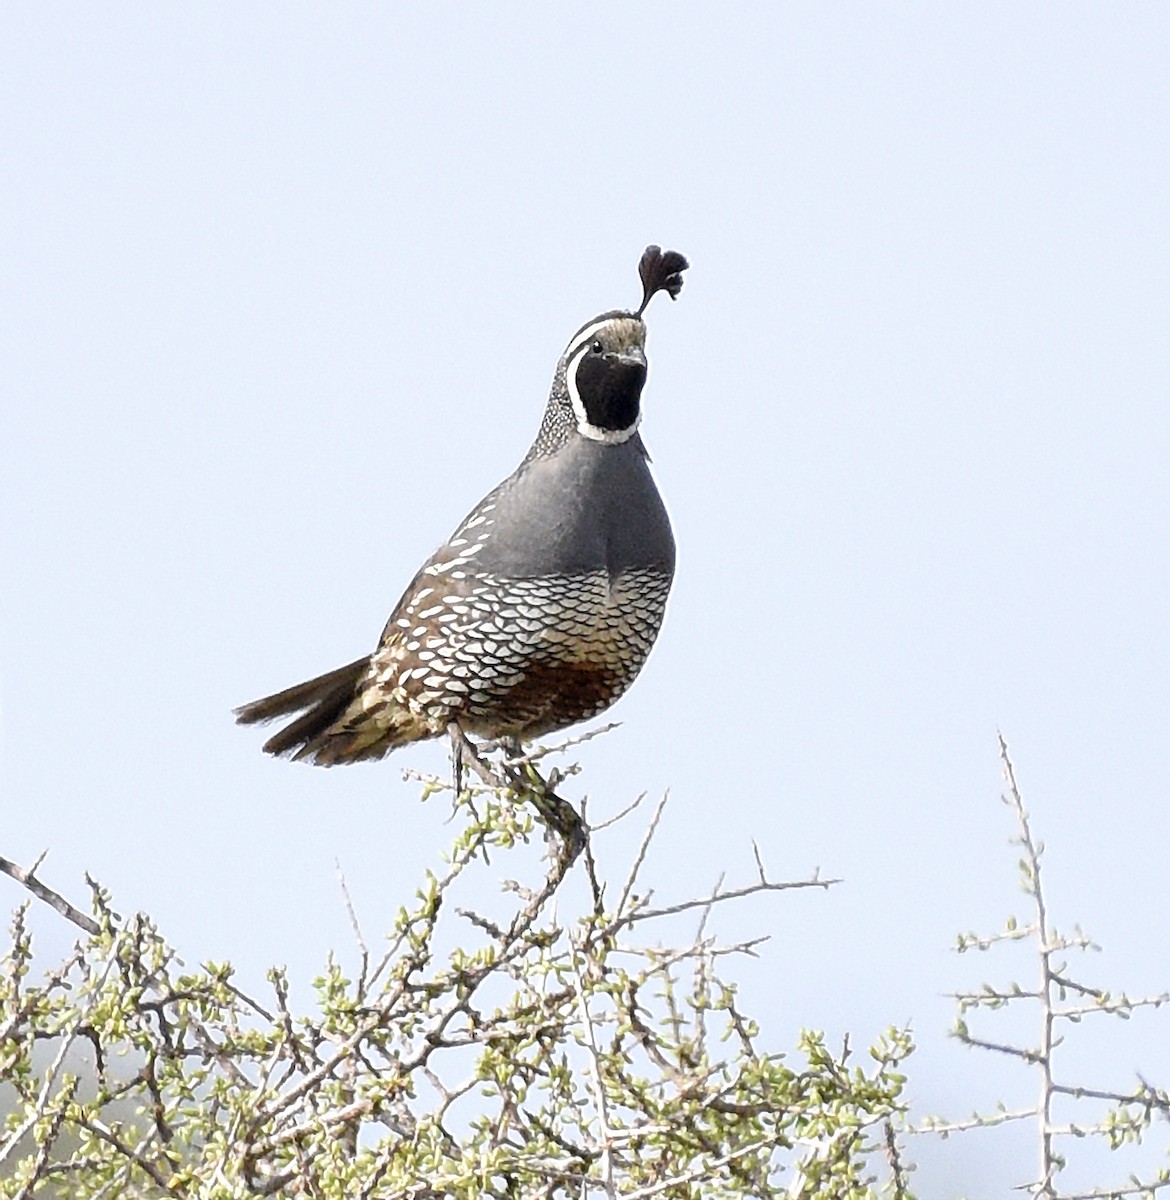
(1127, 1115)
(552, 1057)
(45, 893)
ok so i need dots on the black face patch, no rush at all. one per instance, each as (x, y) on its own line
(610, 388)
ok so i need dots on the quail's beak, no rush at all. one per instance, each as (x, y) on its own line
(629, 366)
(635, 356)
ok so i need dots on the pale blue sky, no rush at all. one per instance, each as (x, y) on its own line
(284, 288)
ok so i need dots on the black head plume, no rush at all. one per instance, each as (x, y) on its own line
(660, 273)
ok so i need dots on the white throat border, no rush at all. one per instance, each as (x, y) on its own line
(576, 352)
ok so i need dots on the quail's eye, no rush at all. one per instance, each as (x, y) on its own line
(596, 347)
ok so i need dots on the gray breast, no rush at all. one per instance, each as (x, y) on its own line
(588, 507)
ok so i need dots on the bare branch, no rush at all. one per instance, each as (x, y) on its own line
(1131, 1113)
(640, 857)
(578, 739)
(356, 927)
(597, 1080)
(494, 1055)
(53, 899)
(975, 1121)
(719, 897)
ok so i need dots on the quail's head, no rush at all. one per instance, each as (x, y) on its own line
(605, 361)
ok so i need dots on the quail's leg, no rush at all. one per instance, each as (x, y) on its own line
(559, 816)
(458, 744)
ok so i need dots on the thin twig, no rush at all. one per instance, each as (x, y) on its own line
(53, 899)
(599, 1099)
(739, 893)
(357, 931)
(578, 739)
(640, 857)
(976, 1121)
(620, 815)
(898, 1175)
(1043, 1058)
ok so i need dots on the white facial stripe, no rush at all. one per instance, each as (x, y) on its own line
(571, 381)
(609, 437)
(586, 335)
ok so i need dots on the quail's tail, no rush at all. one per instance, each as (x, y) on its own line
(323, 700)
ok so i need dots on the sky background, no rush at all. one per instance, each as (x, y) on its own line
(284, 287)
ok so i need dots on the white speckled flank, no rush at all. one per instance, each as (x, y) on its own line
(593, 631)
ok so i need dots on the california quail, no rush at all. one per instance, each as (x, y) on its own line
(541, 609)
